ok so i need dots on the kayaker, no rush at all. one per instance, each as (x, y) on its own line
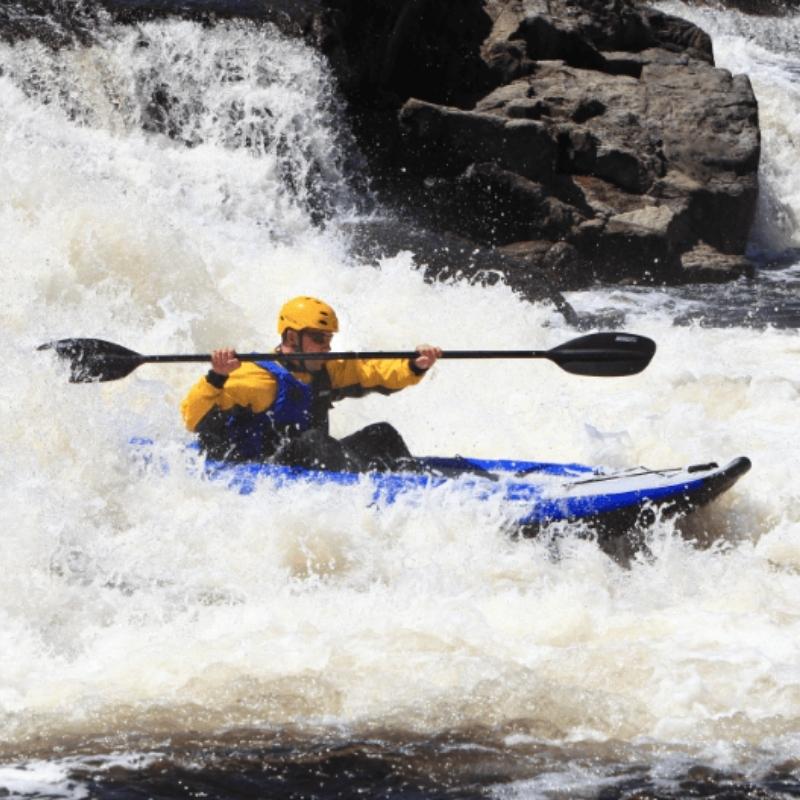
(259, 411)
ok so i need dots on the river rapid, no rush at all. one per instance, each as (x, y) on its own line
(161, 636)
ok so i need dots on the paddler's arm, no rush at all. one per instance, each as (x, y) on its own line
(391, 374)
(226, 385)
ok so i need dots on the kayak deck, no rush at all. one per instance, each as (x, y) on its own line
(535, 494)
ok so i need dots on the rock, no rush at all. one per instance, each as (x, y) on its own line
(596, 120)
(648, 221)
(662, 161)
(385, 51)
(447, 140)
(560, 263)
(644, 151)
(579, 31)
(704, 264)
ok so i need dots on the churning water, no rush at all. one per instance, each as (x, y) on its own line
(167, 187)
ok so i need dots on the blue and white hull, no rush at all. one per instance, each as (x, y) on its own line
(534, 493)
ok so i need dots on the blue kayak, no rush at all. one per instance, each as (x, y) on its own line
(533, 493)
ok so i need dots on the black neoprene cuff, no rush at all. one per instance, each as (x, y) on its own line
(215, 379)
(415, 369)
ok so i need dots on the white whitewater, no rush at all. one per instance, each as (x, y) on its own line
(131, 602)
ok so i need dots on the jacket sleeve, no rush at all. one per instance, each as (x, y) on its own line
(249, 386)
(387, 375)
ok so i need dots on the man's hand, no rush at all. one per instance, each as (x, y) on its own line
(428, 356)
(224, 361)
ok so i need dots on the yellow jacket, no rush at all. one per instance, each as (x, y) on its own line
(254, 388)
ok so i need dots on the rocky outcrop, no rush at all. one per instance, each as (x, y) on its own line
(591, 139)
(610, 139)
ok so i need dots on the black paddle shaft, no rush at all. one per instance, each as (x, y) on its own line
(597, 354)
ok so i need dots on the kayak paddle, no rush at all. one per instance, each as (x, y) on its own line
(598, 354)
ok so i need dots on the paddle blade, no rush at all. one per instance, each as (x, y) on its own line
(93, 360)
(605, 354)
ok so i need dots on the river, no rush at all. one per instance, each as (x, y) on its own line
(163, 637)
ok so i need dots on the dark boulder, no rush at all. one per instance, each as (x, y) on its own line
(633, 172)
(610, 130)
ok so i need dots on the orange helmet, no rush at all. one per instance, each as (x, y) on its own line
(307, 312)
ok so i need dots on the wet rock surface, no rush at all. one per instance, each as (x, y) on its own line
(630, 158)
(593, 140)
